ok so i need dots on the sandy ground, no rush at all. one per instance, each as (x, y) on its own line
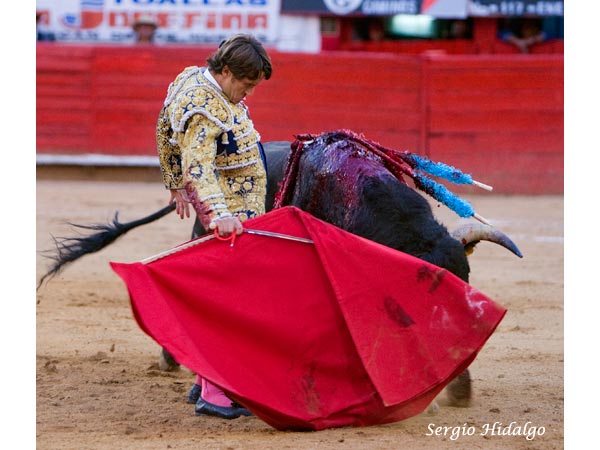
(99, 387)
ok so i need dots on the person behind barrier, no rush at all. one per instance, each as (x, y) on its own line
(144, 28)
(42, 35)
(523, 33)
(212, 159)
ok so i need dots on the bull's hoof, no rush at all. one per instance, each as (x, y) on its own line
(166, 362)
(432, 409)
(194, 394)
(459, 391)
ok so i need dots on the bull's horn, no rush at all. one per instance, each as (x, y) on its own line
(471, 233)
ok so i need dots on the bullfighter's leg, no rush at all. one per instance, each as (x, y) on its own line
(214, 402)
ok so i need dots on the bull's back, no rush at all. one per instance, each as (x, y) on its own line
(361, 196)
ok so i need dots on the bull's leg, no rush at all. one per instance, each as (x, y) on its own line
(458, 391)
(166, 362)
(458, 394)
(432, 409)
(198, 229)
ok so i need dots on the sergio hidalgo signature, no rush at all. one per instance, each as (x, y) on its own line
(527, 430)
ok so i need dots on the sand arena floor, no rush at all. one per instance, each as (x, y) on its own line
(98, 383)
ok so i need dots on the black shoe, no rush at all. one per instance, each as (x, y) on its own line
(194, 394)
(204, 408)
(243, 411)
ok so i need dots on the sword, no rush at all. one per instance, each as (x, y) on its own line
(279, 235)
(216, 236)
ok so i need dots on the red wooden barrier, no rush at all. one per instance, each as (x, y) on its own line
(498, 117)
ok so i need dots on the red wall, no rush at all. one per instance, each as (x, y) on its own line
(499, 117)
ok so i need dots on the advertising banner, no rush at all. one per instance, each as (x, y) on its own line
(503, 8)
(179, 21)
(435, 8)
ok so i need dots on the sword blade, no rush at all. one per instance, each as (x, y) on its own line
(197, 241)
(278, 235)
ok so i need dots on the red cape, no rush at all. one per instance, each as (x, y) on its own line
(342, 332)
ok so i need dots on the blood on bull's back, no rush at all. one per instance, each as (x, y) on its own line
(342, 183)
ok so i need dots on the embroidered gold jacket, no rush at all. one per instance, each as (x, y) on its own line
(209, 147)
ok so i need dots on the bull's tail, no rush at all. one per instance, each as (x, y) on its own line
(69, 249)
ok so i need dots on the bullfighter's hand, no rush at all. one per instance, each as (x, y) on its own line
(227, 225)
(182, 206)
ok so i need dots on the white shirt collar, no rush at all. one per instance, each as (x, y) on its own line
(210, 78)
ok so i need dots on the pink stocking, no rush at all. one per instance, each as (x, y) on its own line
(212, 394)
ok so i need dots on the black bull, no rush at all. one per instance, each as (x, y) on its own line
(362, 198)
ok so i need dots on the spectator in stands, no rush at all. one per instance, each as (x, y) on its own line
(211, 158)
(368, 29)
(42, 35)
(145, 27)
(454, 28)
(376, 30)
(523, 33)
(459, 29)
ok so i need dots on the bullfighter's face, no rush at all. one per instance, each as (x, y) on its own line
(237, 89)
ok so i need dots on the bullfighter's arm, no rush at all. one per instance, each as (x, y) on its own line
(169, 155)
(198, 150)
